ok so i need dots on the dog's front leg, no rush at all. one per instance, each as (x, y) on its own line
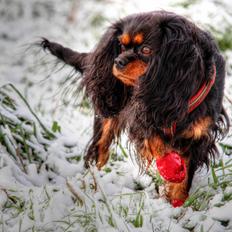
(105, 130)
(197, 131)
(153, 148)
(177, 191)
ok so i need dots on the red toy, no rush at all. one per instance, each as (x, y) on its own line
(172, 167)
(177, 202)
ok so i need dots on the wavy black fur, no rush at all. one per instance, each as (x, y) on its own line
(182, 61)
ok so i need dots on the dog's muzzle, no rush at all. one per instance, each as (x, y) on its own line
(129, 71)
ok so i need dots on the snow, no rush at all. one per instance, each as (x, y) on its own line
(61, 195)
(223, 213)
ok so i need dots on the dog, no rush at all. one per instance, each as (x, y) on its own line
(160, 78)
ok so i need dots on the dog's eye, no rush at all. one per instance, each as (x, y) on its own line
(146, 51)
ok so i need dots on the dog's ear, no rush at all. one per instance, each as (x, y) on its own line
(107, 93)
(175, 72)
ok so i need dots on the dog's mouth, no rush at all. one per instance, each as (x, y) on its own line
(131, 72)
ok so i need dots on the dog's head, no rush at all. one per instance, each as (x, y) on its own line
(159, 58)
(134, 57)
(138, 42)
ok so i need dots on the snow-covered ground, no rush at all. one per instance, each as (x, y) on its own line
(43, 185)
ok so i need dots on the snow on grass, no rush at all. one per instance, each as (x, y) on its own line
(43, 185)
(51, 191)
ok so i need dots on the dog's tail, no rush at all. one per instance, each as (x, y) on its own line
(75, 59)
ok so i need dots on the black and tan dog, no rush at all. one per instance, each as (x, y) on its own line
(161, 78)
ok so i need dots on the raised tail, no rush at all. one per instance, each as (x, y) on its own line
(67, 55)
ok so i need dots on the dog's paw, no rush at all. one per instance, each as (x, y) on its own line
(89, 161)
(91, 157)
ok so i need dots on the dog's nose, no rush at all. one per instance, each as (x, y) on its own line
(120, 63)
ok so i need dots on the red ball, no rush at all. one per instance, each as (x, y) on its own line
(172, 167)
(177, 203)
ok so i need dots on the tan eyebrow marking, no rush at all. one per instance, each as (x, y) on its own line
(125, 39)
(138, 39)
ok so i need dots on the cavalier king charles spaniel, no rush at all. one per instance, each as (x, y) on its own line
(160, 78)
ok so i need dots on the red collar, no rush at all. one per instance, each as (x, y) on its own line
(195, 101)
(200, 96)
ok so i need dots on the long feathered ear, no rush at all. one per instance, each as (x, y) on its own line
(176, 71)
(107, 93)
